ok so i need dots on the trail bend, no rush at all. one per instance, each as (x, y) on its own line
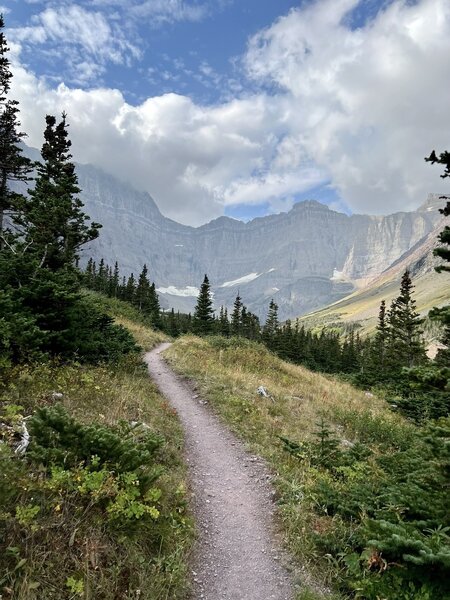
(237, 555)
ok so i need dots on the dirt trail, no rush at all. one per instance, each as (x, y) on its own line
(237, 555)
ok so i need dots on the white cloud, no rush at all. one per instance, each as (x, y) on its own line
(162, 11)
(356, 108)
(158, 12)
(85, 38)
(365, 104)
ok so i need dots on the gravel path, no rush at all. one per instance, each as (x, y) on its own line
(237, 555)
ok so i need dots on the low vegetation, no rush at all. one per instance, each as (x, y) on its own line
(361, 491)
(96, 506)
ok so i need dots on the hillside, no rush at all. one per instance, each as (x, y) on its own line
(339, 455)
(362, 306)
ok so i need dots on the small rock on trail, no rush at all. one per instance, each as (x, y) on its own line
(237, 555)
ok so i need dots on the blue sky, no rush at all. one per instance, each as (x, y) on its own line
(242, 107)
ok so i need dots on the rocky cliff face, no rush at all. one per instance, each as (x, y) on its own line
(304, 259)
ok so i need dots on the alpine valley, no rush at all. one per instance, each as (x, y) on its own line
(305, 259)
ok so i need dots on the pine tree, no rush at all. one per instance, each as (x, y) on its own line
(90, 274)
(236, 317)
(13, 165)
(172, 325)
(376, 359)
(115, 281)
(154, 307)
(271, 326)
(142, 295)
(224, 325)
(130, 289)
(56, 226)
(203, 320)
(443, 314)
(405, 344)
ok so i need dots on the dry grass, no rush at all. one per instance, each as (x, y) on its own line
(145, 337)
(228, 373)
(231, 375)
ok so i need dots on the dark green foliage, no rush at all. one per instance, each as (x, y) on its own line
(203, 321)
(58, 439)
(13, 166)
(94, 337)
(224, 324)
(405, 347)
(236, 317)
(443, 314)
(55, 225)
(271, 327)
(43, 311)
(142, 295)
(391, 512)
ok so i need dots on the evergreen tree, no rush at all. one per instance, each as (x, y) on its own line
(90, 274)
(203, 321)
(142, 294)
(236, 317)
(172, 325)
(405, 345)
(13, 165)
(251, 325)
(378, 347)
(154, 307)
(224, 325)
(56, 226)
(443, 314)
(130, 289)
(271, 325)
(115, 281)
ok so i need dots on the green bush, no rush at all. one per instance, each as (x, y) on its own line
(390, 513)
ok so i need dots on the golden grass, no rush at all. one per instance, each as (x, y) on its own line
(145, 337)
(232, 375)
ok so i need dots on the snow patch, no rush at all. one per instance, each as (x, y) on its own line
(338, 276)
(188, 291)
(244, 279)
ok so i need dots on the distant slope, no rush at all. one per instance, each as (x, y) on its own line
(431, 289)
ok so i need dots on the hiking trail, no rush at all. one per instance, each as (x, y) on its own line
(237, 554)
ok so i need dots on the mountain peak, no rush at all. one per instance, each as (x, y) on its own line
(308, 205)
(433, 203)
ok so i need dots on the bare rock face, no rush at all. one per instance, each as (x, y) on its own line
(304, 259)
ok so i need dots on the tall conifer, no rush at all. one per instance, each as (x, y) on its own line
(203, 320)
(405, 345)
(13, 165)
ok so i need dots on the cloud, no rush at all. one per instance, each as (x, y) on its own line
(355, 109)
(158, 12)
(86, 39)
(169, 11)
(366, 104)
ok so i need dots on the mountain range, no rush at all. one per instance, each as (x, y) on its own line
(304, 259)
